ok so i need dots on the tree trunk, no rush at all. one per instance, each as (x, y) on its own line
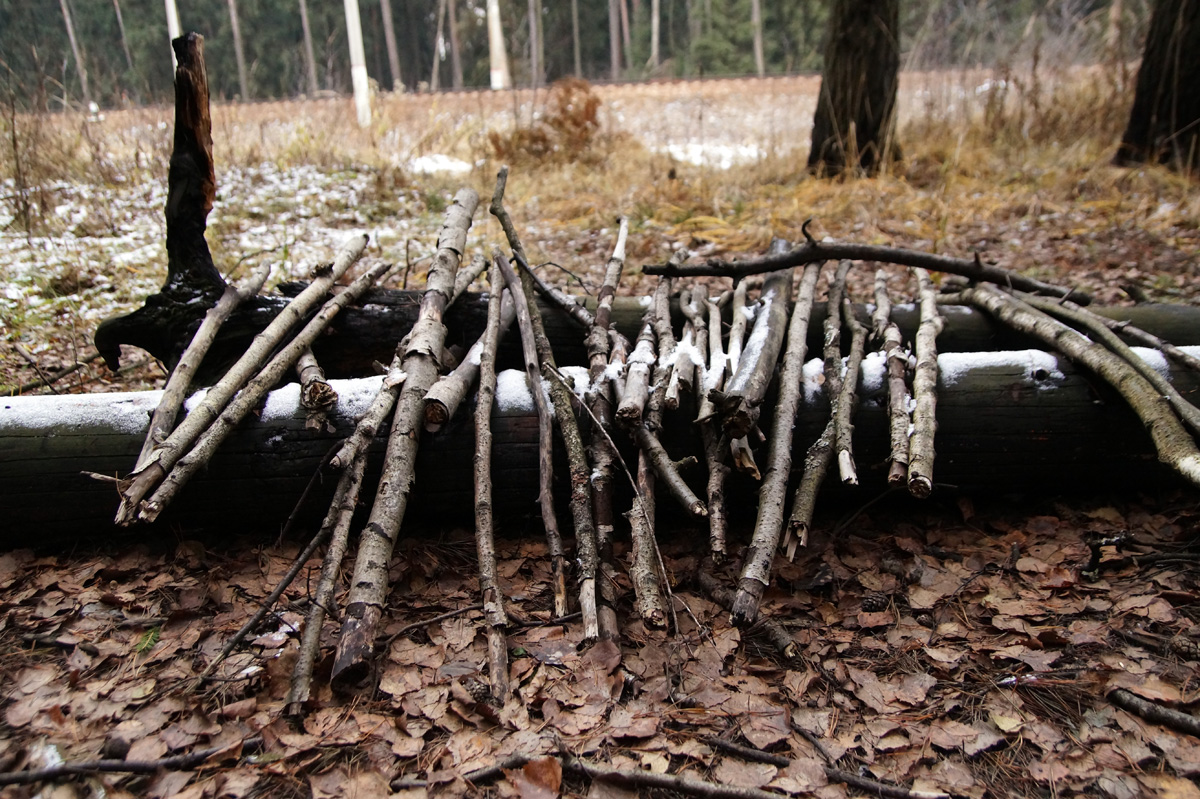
(75, 51)
(456, 73)
(1007, 421)
(437, 46)
(238, 51)
(308, 49)
(535, 45)
(614, 38)
(497, 55)
(626, 34)
(575, 38)
(760, 64)
(358, 64)
(1164, 123)
(174, 31)
(656, 32)
(855, 120)
(389, 37)
(124, 38)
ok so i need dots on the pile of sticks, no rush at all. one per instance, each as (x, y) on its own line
(721, 370)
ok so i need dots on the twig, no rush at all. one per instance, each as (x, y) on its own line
(887, 333)
(59, 375)
(779, 637)
(249, 397)
(843, 427)
(485, 544)
(664, 467)
(37, 367)
(812, 252)
(369, 583)
(772, 494)
(177, 444)
(816, 460)
(664, 782)
(114, 766)
(921, 451)
(416, 625)
(1097, 327)
(1174, 445)
(163, 418)
(1175, 719)
(637, 376)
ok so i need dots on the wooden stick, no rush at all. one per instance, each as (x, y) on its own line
(816, 460)
(664, 468)
(249, 397)
(776, 633)
(844, 428)
(741, 401)
(163, 419)
(812, 252)
(337, 526)
(176, 445)
(637, 376)
(715, 448)
(1175, 446)
(369, 585)
(48, 381)
(1082, 318)
(600, 404)
(686, 356)
(1153, 712)
(316, 395)
(115, 766)
(887, 333)
(448, 392)
(738, 448)
(921, 452)
(756, 572)
(489, 586)
(468, 274)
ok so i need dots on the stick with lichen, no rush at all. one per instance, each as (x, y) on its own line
(848, 402)
(891, 344)
(925, 379)
(422, 348)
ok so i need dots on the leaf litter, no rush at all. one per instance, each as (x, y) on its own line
(985, 674)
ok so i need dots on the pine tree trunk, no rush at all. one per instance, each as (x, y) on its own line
(756, 22)
(437, 46)
(1164, 123)
(455, 54)
(308, 48)
(614, 38)
(575, 38)
(238, 51)
(124, 38)
(497, 55)
(535, 52)
(79, 65)
(655, 32)
(855, 119)
(389, 36)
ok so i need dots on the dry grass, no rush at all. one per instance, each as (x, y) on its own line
(1013, 165)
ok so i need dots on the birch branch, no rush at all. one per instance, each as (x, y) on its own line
(1175, 446)
(489, 586)
(887, 333)
(442, 401)
(369, 584)
(816, 460)
(176, 445)
(637, 376)
(250, 396)
(772, 494)
(848, 402)
(715, 446)
(921, 451)
(163, 419)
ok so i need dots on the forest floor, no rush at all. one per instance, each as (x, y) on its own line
(955, 645)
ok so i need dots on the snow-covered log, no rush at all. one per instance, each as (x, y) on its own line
(1008, 421)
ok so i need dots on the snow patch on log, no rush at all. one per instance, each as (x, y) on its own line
(1041, 368)
(284, 403)
(512, 391)
(126, 413)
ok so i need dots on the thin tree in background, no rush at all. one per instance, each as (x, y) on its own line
(243, 84)
(437, 46)
(80, 67)
(535, 54)
(456, 71)
(308, 48)
(358, 63)
(389, 37)
(855, 118)
(626, 35)
(174, 30)
(1164, 123)
(501, 78)
(614, 38)
(760, 63)
(656, 33)
(124, 38)
(575, 38)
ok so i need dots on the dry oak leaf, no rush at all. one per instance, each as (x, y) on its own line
(748, 775)
(949, 734)
(625, 723)
(338, 784)
(1164, 786)
(1148, 686)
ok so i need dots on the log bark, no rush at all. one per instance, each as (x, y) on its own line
(1008, 421)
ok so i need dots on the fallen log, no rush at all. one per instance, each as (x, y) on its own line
(364, 335)
(1008, 421)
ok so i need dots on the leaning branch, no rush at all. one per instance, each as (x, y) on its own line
(925, 379)
(812, 252)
